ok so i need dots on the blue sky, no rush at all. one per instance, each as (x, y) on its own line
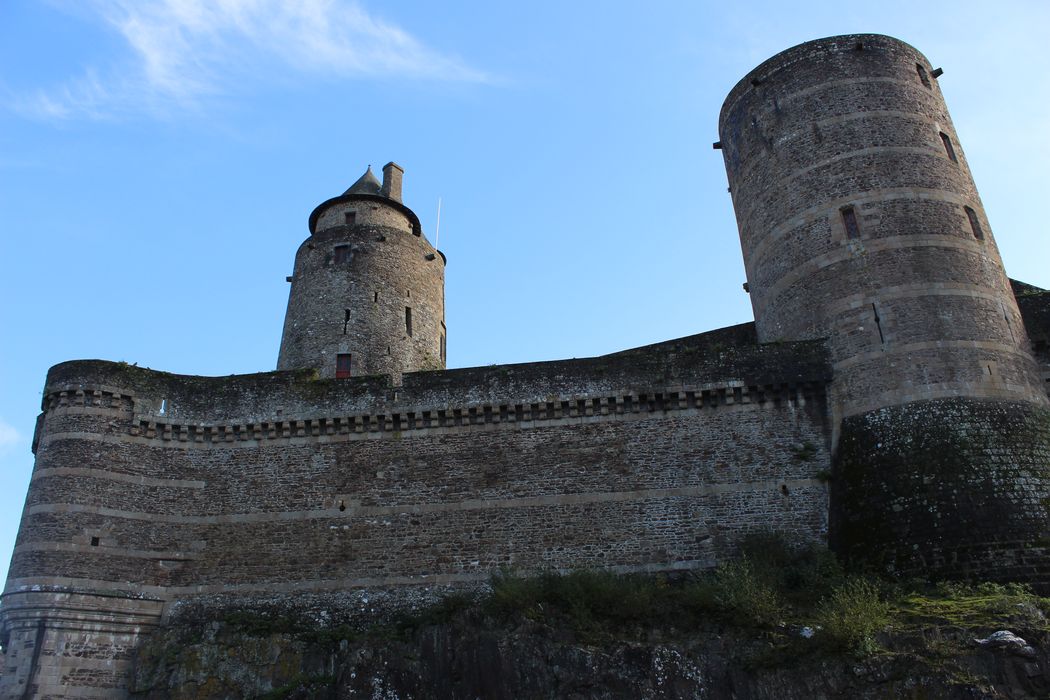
(159, 159)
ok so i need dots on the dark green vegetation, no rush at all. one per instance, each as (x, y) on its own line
(773, 589)
(775, 616)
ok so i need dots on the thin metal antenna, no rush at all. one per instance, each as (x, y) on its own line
(437, 227)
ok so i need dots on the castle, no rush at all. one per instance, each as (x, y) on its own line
(890, 398)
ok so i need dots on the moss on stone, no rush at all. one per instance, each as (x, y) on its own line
(949, 487)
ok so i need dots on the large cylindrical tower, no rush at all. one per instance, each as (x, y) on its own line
(860, 223)
(368, 289)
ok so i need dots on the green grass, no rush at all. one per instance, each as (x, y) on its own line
(770, 582)
(852, 614)
(770, 591)
(772, 586)
(967, 606)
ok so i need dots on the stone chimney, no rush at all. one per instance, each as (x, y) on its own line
(392, 173)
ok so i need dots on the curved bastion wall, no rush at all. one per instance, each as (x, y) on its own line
(860, 223)
(151, 488)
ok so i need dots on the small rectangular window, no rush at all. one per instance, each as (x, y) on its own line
(408, 320)
(351, 217)
(342, 254)
(849, 220)
(375, 297)
(342, 365)
(94, 541)
(922, 75)
(975, 224)
(442, 347)
(946, 140)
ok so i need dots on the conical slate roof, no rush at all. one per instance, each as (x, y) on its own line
(366, 184)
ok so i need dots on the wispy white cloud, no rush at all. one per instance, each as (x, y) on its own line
(183, 51)
(8, 435)
(84, 96)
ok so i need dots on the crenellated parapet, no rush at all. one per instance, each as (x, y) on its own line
(119, 442)
(406, 419)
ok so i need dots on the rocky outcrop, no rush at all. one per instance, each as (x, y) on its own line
(468, 656)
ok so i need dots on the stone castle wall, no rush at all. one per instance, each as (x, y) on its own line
(959, 487)
(283, 484)
(876, 286)
(1034, 304)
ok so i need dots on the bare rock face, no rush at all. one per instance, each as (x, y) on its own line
(470, 658)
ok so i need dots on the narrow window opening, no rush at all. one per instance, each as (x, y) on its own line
(342, 253)
(342, 506)
(94, 541)
(342, 365)
(442, 347)
(922, 75)
(375, 297)
(948, 148)
(346, 319)
(878, 323)
(849, 220)
(408, 320)
(163, 407)
(975, 223)
(351, 218)
(784, 489)
(408, 293)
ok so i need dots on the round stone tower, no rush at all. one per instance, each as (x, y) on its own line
(860, 223)
(368, 290)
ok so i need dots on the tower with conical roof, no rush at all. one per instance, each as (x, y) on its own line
(368, 289)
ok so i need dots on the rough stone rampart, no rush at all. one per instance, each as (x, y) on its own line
(434, 478)
(960, 487)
